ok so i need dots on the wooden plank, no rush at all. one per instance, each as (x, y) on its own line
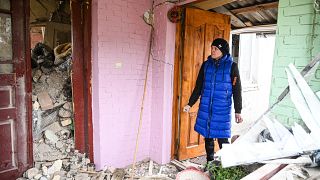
(254, 29)
(187, 2)
(265, 172)
(178, 164)
(81, 76)
(210, 4)
(77, 74)
(28, 78)
(176, 92)
(235, 21)
(87, 11)
(255, 8)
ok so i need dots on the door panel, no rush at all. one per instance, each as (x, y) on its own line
(15, 91)
(7, 147)
(200, 29)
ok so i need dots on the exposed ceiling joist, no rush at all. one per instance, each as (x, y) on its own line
(235, 21)
(255, 8)
(210, 4)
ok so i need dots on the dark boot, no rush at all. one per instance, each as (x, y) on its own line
(209, 145)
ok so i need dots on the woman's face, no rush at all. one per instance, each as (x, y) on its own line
(215, 52)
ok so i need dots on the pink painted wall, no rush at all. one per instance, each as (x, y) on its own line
(120, 51)
(162, 84)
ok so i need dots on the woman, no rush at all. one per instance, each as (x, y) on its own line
(218, 80)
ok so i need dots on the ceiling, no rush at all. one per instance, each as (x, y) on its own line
(49, 10)
(254, 15)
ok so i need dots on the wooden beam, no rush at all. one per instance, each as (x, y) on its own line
(265, 172)
(81, 76)
(235, 21)
(210, 4)
(255, 29)
(187, 2)
(255, 8)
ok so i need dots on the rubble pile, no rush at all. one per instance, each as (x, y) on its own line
(68, 168)
(78, 167)
(52, 103)
(148, 168)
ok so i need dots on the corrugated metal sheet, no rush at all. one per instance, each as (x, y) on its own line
(262, 16)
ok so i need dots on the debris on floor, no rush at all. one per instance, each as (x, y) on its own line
(78, 167)
(268, 140)
(71, 167)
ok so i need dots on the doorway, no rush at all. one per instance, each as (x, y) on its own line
(52, 100)
(70, 72)
(16, 115)
(193, 39)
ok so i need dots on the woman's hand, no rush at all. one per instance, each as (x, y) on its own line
(186, 108)
(238, 118)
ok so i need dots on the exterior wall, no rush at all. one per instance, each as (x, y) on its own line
(297, 41)
(120, 47)
(120, 42)
(162, 84)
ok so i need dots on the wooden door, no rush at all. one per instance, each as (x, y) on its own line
(199, 29)
(15, 91)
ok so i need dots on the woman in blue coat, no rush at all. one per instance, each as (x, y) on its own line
(218, 81)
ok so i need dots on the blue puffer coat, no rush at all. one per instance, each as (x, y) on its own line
(214, 115)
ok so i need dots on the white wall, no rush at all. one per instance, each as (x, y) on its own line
(256, 56)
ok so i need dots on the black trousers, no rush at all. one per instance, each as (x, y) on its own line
(209, 145)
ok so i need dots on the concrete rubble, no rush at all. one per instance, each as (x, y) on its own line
(78, 167)
(52, 104)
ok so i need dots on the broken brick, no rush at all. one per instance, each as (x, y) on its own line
(45, 101)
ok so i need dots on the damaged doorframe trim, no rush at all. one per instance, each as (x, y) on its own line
(81, 75)
(177, 89)
(28, 80)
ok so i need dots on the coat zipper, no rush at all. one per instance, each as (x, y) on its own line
(211, 102)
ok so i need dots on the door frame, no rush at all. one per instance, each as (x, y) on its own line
(81, 75)
(176, 103)
(177, 82)
(81, 78)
